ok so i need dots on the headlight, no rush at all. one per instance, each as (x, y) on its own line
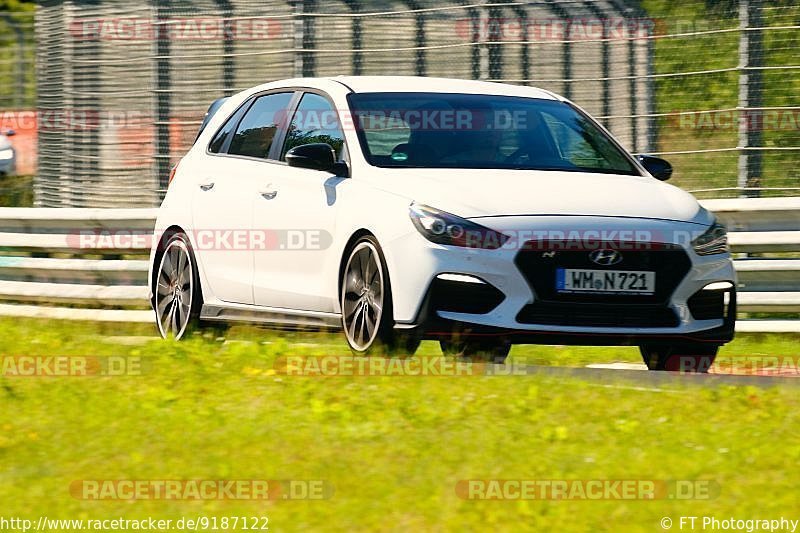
(444, 228)
(713, 241)
(8, 153)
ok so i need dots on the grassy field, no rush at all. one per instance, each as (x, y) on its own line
(391, 449)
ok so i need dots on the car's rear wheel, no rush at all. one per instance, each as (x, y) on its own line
(177, 291)
(366, 300)
(693, 358)
(483, 350)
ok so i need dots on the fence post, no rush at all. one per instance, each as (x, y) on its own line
(605, 60)
(162, 96)
(304, 38)
(525, 56)
(227, 46)
(419, 38)
(475, 38)
(751, 57)
(483, 49)
(494, 33)
(356, 33)
(566, 48)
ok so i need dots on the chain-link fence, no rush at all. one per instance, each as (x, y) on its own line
(17, 52)
(711, 85)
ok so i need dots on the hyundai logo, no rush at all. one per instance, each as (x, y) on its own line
(605, 257)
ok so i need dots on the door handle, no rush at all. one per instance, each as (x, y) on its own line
(269, 194)
(207, 186)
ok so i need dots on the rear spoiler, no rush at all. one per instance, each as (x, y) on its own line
(215, 105)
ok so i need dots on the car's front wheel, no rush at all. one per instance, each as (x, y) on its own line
(366, 301)
(692, 358)
(177, 293)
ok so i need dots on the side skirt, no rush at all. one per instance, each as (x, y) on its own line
(271, 316)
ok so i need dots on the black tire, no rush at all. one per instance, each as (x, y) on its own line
(691, 358)
(367, 314)
(169, 282)
(484, 350)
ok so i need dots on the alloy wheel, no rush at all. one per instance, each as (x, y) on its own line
(362, 296)
(174, 290)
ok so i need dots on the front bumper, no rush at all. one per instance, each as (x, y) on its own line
(433, 326)
(515, 316)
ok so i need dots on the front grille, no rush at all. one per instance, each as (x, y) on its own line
(598, 315)
(539, 261)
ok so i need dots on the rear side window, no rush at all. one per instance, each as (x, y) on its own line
(258, 127)
(219, 139)
(213, 108)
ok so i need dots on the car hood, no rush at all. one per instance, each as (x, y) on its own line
(485, 193)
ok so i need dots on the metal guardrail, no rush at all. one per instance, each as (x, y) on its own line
(43, 261)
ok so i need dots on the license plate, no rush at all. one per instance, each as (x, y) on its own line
(605, 281)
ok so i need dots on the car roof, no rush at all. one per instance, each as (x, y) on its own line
(411, 84)
(415, 84)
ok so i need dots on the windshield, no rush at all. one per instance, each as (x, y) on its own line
(435, 130)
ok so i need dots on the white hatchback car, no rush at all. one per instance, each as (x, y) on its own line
(402, 208)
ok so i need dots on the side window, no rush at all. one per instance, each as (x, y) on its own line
(224, 132)
(315, 121)
(254, 135)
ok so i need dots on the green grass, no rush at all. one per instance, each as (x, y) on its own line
(16, 191)
(392, 448)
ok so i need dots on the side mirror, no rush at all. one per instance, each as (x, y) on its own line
(8, 133)
(316, 156)
(659, 168)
